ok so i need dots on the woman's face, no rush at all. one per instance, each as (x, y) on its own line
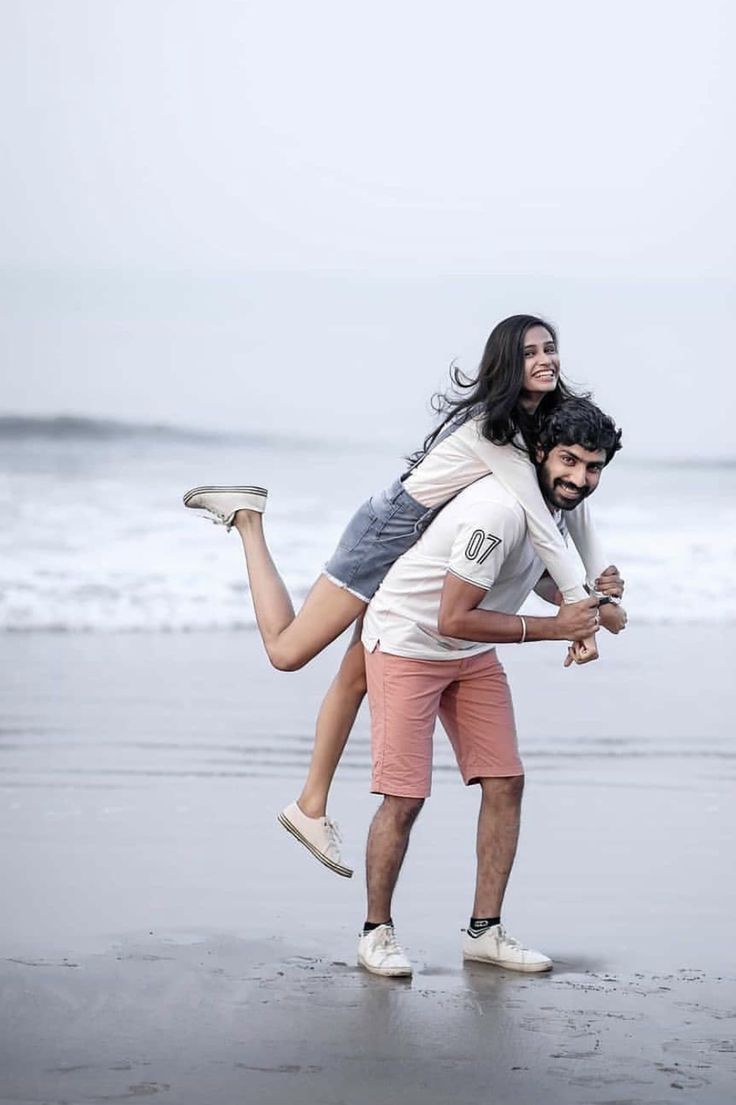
(541, 363)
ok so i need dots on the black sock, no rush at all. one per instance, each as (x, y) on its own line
(369, 926)
(478, 925)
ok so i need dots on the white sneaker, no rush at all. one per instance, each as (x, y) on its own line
(222, 503)
(380, 953)
(494, 945)
(319, 834)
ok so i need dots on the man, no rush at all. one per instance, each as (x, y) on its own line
(429, 636)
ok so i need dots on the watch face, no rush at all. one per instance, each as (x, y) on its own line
(605, 599)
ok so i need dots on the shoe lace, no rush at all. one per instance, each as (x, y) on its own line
(503, 935)
(388, 940)
(334, 836)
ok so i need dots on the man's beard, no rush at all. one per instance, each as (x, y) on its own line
(562, 502)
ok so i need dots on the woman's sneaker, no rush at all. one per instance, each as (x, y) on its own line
(494, 945)
(319, 834)
(380, 953)
(223, 503)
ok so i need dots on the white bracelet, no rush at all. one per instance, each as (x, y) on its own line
(523, 628)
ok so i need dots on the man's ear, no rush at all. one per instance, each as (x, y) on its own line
(539, 456)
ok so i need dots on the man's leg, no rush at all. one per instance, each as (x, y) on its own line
(404, 696)
(388, 840)
(486, 940)
(477, 713)
(498, 835)
(378, 949)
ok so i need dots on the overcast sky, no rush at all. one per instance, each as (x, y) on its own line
(269, 214)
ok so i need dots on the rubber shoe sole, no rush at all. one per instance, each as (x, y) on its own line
(526, 968)
(385, 972)
(260, 491)
(346, 872)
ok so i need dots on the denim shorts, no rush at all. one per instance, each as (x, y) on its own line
(383, 528)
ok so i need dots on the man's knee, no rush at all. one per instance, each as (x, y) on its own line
(508, 789)
(403, 811)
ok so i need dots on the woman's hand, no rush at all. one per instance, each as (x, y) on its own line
(613, 617)
(581, 652)
(609, 582)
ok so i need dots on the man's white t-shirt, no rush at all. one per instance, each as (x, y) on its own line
(481, 536)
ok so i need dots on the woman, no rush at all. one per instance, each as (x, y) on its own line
(489, 429)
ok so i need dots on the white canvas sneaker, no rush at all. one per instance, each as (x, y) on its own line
(319, 834)
(222, 503)
(494, 945)
(380, 953)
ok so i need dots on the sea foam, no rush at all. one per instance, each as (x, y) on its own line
(95, 537)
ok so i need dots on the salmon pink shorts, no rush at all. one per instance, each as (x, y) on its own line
(472, 699)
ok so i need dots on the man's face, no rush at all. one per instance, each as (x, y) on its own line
(569, 474)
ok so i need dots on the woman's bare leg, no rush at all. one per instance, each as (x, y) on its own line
(334, 723)
(291, 640)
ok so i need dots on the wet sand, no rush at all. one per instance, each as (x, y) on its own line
(162, 936)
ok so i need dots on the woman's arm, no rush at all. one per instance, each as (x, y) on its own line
(517, 474)
(581, 529)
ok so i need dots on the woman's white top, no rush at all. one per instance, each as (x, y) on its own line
(465, 455)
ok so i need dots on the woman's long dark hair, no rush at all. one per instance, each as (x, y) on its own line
(493, 394)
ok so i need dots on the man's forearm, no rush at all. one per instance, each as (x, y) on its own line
(491, 627)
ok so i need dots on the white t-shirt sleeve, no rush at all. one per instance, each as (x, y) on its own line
(483, 542)
(583, 532)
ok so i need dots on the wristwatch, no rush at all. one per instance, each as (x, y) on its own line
(603, 600)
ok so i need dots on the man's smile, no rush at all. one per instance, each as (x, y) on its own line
(568, 491)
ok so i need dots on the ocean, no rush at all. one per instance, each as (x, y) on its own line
(95, 537)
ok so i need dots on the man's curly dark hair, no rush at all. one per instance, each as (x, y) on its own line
(579, 422)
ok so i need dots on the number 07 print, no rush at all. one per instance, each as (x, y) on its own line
(481, 545)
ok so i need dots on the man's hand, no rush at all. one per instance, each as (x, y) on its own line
(581, 652)
(609, 582)
(577, 621)
(613, 618)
